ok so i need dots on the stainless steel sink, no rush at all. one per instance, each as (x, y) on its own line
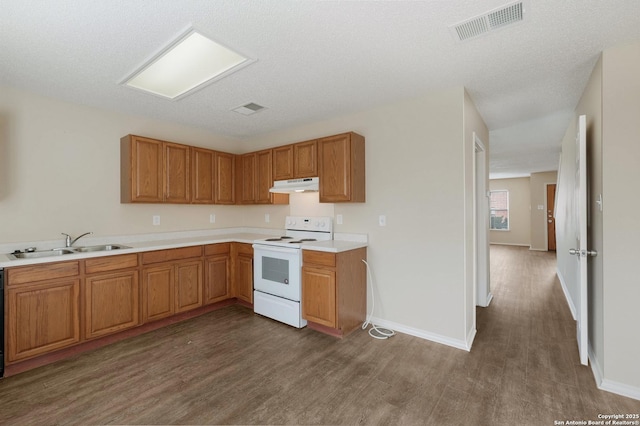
(62, 251)
(105, 247)
(40, 253)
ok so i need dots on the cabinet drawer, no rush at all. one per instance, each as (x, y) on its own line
(318, 258)
(213, 249)
(171, 255)
(246, 249)
(34, 273)
(110, 263)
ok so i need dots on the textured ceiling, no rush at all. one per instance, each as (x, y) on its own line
(319, 59)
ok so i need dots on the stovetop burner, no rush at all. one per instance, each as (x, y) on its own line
(279, 238)
(302, 240)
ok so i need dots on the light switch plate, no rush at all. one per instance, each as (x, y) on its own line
(156, 220)
(382, 220)
(212, 218)
(339, 219)
(266, 217)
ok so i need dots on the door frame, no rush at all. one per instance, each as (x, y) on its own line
(481, 271)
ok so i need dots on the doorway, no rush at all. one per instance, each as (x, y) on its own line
(481, 225)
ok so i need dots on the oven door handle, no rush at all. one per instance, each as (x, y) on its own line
(262, 247)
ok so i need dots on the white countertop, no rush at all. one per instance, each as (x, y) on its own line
(150, 242)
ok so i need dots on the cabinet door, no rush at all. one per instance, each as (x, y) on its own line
(157, 292)
(42, 318)
(176, 173)
(202, 176)
(188, 285)
(143, 170)
(319, 296)
(217, 281)
(335, 169)
(263, 181)
(244, 278)
(225, 178)
(305, 161)
(246, 178)
(111, 303)
(283, 162)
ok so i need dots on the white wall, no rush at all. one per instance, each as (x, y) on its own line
(416, 155)
(611, 102)
(519, 232)
(60, 172)
(621, 233)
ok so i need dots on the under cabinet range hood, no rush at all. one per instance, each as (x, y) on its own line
(295, 185)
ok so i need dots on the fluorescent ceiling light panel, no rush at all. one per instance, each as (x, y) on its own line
(186, 65)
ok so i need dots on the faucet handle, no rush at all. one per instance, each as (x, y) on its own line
(67, 242)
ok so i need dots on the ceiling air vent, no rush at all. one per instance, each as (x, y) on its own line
(487, 22)
(248, 109)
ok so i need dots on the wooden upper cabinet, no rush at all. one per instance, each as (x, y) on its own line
(263, 177)
(203, 173)
(341, 168)
(141, 170)
(224, 178)
(177, 188)
(153, 171)
(246, 178)
(254, 178)
(283, 162)
(305, 159)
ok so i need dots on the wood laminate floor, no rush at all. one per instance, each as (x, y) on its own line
(232, 367)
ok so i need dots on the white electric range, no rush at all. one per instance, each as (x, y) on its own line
(277, 268)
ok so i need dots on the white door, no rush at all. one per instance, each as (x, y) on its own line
(582, 252)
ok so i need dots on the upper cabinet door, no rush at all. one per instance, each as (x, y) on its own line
(283, 162)
(176, 173)
(341, 168)
(246, 178)
(203, 174)
(305, 159)
(264, 179)
(141, 170)
(225, 178)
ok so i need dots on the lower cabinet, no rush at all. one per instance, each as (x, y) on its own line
(188, 285)
(171, 282)
(217, 276)
(111, 295)
(42, 318)
(334, 289)
(242, 256)
(111, 303)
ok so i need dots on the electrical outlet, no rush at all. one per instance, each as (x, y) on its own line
(266, 217)
(339, 219)
(382, 220)
(212, 218)
(156, 220)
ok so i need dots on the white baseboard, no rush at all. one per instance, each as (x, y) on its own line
(595, 366)
(565, 290)
(488, 302)
(620, 389)
(537, 249)
(458, 344)
(509, 244)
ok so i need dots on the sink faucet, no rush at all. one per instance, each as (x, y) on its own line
(69, 242)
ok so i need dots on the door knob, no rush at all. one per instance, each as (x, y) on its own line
(583, 253)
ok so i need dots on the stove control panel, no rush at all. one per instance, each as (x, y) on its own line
(309, 223)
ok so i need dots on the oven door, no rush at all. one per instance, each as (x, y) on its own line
(277, 271)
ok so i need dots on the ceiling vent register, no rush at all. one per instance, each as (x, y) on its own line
(487, 22)
(248, 109)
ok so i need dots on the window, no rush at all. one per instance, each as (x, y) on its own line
(499, 206)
